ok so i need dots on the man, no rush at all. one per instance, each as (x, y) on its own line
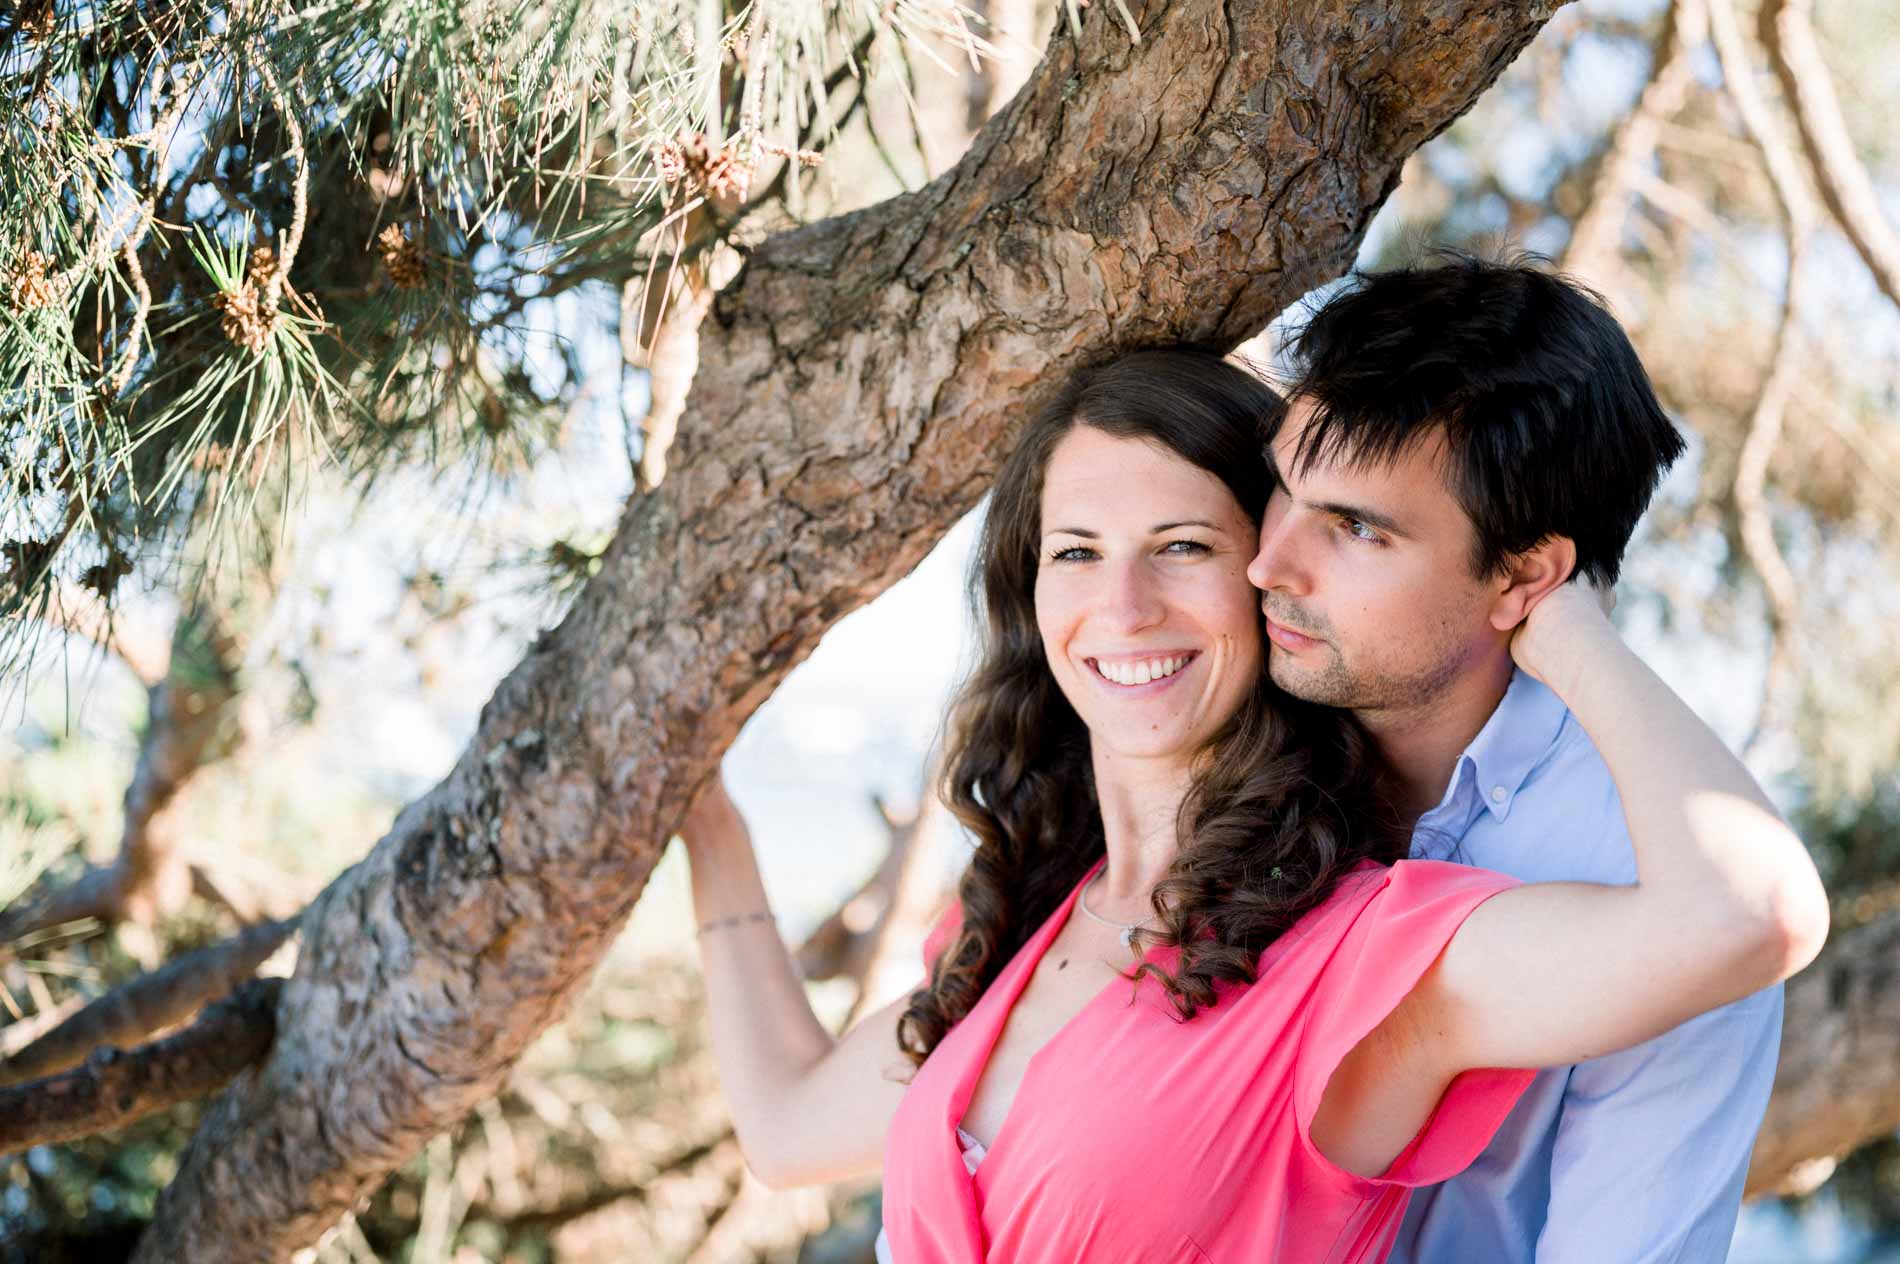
(1462, 438)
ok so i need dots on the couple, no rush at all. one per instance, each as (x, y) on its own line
(1271, 920)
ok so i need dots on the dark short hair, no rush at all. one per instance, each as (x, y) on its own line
(1551, 423)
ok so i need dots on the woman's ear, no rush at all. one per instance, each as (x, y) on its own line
(1528, 576)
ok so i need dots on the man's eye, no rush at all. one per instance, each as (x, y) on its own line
(1360, 531)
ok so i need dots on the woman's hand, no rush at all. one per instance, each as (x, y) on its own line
(713, 818)
(1563, 633)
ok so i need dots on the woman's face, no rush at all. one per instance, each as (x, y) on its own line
(1142, 599)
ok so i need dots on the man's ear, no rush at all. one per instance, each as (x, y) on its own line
(1529, 576)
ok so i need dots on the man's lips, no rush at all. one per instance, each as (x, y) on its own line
(1287, 639)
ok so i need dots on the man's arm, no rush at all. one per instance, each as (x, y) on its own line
(1653, 1143)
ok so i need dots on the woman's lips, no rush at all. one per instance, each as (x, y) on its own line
(1289, 640)
(1151, 686)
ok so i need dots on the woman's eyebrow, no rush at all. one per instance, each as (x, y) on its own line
(1157, 529)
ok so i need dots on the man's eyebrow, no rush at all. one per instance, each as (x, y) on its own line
(1358, 513)
(1157, 529)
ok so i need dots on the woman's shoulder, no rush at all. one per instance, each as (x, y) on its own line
(1407, 880)
(1406, 892)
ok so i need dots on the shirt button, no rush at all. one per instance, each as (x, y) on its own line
(1497, 794)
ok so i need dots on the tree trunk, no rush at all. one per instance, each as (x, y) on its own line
(1838, 1083)
(858, 385)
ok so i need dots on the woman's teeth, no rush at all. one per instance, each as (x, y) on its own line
(1143, 672)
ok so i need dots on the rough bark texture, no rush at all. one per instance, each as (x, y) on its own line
(1838, 1084)
(116, 1087)
(858, 384)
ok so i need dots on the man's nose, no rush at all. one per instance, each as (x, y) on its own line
(1275, 563)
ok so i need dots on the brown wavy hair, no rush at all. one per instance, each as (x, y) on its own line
(1283, 800)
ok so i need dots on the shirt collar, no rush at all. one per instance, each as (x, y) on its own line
(1512, 743)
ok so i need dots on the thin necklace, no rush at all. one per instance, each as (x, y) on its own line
(1127, 929)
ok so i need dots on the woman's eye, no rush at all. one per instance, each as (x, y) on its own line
(1074, 553)
(1185, 546)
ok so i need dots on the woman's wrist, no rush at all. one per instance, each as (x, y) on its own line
(1567, 641)
(736, 920)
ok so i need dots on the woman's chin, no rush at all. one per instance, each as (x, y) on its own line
(1153, 748)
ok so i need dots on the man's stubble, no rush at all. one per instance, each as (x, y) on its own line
(1338, 683)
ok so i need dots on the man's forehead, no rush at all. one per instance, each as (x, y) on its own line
(1297, 455)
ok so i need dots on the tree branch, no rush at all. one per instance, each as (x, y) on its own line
(1596, 238)
(1796, 205)
(188, 710)
(149, 1003)
(857, 941)
(859, 383)
(82, 613)
(116, 1088)
(554, 1215)
(1795, 54)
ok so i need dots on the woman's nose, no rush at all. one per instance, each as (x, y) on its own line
(1134, 598)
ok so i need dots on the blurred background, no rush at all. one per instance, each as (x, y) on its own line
(335, 674)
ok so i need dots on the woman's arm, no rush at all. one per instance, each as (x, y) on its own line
(806, 1107)
(1726, 902)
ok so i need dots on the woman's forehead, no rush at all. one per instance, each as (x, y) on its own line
(1114, 478)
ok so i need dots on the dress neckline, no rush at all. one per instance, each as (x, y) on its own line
(1004, 993)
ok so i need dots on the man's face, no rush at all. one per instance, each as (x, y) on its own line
(1366, 578)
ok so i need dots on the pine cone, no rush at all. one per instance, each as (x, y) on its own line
(402, 258)
(32, 288)
(727, 177)
(263, 266)
(246, 321)
(103, 577)
(689, 159)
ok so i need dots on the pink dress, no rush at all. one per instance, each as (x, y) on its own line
(1136, 1137)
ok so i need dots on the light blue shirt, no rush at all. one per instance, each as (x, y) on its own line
(1638, 1157)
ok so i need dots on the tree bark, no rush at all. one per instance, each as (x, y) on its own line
(1838, 1083)
(858, 384)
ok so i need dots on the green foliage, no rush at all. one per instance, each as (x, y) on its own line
(239, 241)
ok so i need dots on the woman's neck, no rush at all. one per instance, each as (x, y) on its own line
(1141, 803)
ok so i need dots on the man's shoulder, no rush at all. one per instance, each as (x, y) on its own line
(1572, 764)
(1564, 821)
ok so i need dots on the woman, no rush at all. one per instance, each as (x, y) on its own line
(1325, 1024)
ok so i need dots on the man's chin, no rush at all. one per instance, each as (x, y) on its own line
(1308, 686)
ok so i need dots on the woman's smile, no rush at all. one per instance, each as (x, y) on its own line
(1141, 674)
(1147, 620)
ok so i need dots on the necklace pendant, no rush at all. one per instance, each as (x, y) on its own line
(1128, 937)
